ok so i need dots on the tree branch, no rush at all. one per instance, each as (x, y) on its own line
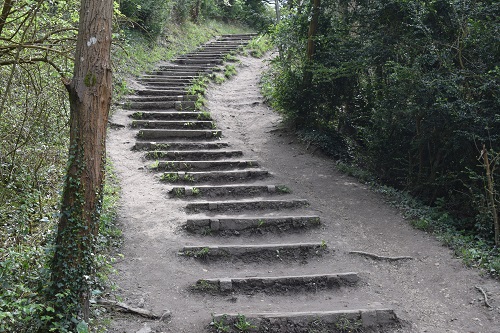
(119, 306)
(486, 303)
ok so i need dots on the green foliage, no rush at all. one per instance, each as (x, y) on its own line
(221, 325)
(258, 46)
(242, 324)
(345, 325)
(148, 15)
(473, 249)
(408, 90)
(229, 70)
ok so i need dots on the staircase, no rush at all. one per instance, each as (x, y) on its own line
(231, 202)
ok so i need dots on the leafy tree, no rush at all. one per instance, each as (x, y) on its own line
(407, 89)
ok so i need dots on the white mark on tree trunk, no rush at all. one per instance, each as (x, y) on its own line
(91, 41)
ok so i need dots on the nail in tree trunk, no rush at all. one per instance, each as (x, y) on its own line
(90, 97)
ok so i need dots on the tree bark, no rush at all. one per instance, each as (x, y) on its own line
(308, 74)
(491, 194)
(90, 98)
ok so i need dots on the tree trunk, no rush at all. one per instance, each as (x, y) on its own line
(491, 194)
(90, 98)
(278, 13)
(7, 6)
(308, 74)
(313, 27)
(195, 11)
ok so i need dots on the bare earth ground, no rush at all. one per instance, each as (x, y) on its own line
(434, 292)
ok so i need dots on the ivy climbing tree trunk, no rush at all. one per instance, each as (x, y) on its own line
(90, 97)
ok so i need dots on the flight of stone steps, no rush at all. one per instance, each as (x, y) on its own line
(228, 195)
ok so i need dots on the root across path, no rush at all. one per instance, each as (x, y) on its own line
(231, 224)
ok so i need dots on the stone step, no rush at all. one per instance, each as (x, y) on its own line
(260, 252)
(184, 97)
(219, 48)
(203, 165)
(252, 204)
(183, 68)
(215, 176)
(173, 74)
(344, 320)
(200, 61)
(179, 146)
(160, 92)
(235, 43)
(164, 81)
(214, 55)
(240, 223)
(181, 133)
(194, 124)
(172, 115)
(166, 78)
(245, 36)
(277, 284)
(161, 105)
(181, 155)
(166, 84)
(217, 51)
(232, 190)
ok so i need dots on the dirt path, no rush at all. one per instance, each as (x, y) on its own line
(433, 292)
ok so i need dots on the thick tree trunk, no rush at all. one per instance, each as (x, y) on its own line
(90, 98)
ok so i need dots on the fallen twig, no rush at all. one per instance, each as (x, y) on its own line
(129, 309)
(486, 303)
(377, 257)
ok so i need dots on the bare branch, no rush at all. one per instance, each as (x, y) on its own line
(486, 303)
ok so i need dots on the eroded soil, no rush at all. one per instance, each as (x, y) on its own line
(433, 292)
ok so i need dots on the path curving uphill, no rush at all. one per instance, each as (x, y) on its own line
(232, 226)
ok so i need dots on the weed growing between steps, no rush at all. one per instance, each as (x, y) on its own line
(257, 47)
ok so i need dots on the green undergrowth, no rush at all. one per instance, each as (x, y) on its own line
(259, 46)
(24, 269)
(472, 249)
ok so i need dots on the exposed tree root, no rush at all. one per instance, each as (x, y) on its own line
(377, 257)
(486, 303)
(122, 307)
